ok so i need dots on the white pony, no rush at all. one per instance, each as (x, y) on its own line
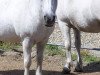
(81, 15)
(23, 20)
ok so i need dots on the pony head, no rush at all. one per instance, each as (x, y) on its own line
(49, 8)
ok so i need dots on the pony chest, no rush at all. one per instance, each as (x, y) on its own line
(43, 34)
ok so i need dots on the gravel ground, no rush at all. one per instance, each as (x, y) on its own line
(12, 64)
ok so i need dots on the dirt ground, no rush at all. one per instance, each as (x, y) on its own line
(11, 63)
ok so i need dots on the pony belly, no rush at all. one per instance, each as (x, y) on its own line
(90, 30)
(8, 34)
(9, 38)
(91, 27)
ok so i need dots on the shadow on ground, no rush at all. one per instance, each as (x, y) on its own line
(89, 68)
(92, 67)
(32, 72)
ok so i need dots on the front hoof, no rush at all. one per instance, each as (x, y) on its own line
(66, 70)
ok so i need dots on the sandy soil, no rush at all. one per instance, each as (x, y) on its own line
(12, 64)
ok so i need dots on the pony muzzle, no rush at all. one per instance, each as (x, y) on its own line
(49, 21)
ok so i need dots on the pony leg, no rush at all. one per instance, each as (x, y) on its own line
(40, 49)
(67, 39)
(27, 45)
(78, 67)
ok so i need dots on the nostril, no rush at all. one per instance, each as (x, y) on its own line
(49, 19)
